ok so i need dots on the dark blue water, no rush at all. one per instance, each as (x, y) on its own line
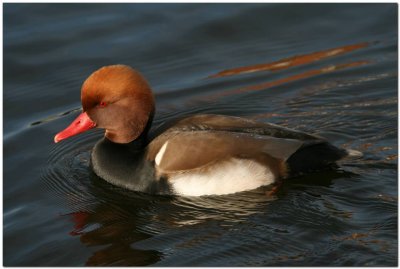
(328, 69)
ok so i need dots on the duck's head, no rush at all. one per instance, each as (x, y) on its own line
(116, 98)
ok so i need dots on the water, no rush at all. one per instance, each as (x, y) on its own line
(328, 69)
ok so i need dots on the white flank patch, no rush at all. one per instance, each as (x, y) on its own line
(160, 154)
(224, 178)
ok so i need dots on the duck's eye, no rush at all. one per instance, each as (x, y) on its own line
(102, 104)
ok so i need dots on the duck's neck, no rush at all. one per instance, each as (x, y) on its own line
(125, 164)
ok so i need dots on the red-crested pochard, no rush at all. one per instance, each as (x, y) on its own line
(195, 155)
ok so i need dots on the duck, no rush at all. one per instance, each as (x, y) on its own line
(197, 155)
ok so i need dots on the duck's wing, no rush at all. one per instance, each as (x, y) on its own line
(182, 151)
(210, 122)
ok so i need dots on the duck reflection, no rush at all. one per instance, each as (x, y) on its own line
(114, 220)
(110, 223)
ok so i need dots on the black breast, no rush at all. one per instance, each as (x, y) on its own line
(125, 165)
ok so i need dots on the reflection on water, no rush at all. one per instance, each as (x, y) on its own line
(291, 61)
(111, 231)
(328, 69)
(308, 74)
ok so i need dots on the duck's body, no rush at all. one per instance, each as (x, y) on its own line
(209, 155)
(196, 155)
